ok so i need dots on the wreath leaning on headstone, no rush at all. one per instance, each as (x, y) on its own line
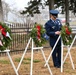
(5, 36)
(37, 34)
(66, 34)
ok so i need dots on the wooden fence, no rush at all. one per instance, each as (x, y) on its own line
(20, 37)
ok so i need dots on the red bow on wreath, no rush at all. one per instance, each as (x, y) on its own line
(6, 34)
(67, 31)
(2, 30)
(38, 31)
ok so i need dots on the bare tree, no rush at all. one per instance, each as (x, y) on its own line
(6, 10)
(1, 12)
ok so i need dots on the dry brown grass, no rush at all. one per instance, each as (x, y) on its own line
(38, 67)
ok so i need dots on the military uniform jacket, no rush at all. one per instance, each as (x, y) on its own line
(51, 27)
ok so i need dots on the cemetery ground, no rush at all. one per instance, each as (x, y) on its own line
(38, 64)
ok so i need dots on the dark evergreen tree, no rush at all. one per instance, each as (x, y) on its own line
(33, 6)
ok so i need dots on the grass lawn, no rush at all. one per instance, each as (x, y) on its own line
(38, 64)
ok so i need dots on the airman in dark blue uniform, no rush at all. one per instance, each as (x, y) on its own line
(53, 27)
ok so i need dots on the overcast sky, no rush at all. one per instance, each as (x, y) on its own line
(19, 4)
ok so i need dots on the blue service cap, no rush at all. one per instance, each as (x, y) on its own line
(54, 12)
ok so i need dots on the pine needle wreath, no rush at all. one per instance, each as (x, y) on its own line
(37, 35)
(66, 34)
(5, 36)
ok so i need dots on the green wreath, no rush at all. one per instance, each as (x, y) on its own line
(5, 36)
(66, 34)
(37, 35)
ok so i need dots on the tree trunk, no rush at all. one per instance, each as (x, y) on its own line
(51, 5)
(1, 12)
(67, 11)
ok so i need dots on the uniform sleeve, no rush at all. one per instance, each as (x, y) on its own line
(49, 32)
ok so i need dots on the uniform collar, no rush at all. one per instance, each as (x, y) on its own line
(53, 20)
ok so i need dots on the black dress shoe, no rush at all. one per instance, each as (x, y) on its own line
(58, 66)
